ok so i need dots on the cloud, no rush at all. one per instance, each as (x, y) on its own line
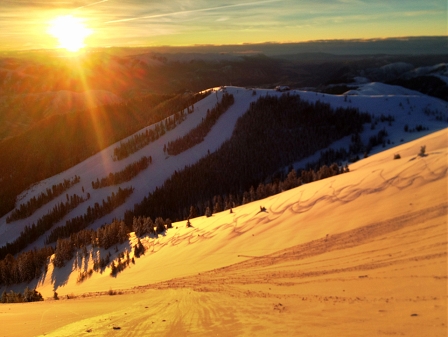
(195, 10)
(116, 22)
(91, 4)
(23, 4)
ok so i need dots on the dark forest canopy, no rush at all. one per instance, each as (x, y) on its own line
(274, 133)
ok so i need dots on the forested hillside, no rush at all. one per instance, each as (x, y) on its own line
(274, 133)
(61, 141)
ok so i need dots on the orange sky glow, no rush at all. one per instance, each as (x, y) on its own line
(34, 24)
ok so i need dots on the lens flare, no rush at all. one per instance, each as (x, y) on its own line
(69, 31)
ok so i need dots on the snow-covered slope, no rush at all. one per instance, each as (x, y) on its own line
(438, 70)
(406, 106)
(375, 189)
(362, 253)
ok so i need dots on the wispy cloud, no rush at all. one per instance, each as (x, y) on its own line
(197, 10)
(91, 4)
(175, 22)
(47, 4)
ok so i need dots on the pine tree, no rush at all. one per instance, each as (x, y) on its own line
(113, 269)
(148, 226)
(168, 223)
(27, 295)
(208, 212)
(160, 225)
(138, 248)
(193, 213)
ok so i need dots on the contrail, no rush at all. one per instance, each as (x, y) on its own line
(50, 4)
(192, 11)
(95, 3)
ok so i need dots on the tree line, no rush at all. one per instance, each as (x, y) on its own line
(356, 147)
(273, 134)
(221, 203)
(177, 116)
(31, 233)
(129, 172)
(27, 209)
(25, 267)
(140, 140)
(93, 213)
(61, 141)
(145, 226)
(104, 237)
(30, 265)
(226, 201)
(29, 295)
(197, 135)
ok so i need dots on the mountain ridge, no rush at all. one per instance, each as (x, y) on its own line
(102, 163)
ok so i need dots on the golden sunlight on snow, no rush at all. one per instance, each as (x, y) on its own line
(359, 254)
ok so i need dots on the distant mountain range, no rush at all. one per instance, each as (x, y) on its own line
(38, 84)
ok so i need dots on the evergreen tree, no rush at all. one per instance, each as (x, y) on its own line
(113, 269)
(168, 223)
(193, 212)
(160, 225)
(208, 212)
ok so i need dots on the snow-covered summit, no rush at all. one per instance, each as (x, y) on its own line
(381, 89)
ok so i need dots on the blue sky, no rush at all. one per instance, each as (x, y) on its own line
(24, 24)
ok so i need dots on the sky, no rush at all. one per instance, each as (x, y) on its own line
(25, 24)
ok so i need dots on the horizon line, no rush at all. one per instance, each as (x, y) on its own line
(265, 43)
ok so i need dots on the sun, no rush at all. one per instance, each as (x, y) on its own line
(69, 31)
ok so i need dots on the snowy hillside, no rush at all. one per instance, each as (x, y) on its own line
(405, 106)
(439, 70)
(362, 253)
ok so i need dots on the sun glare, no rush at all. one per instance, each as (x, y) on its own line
(70, 32)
